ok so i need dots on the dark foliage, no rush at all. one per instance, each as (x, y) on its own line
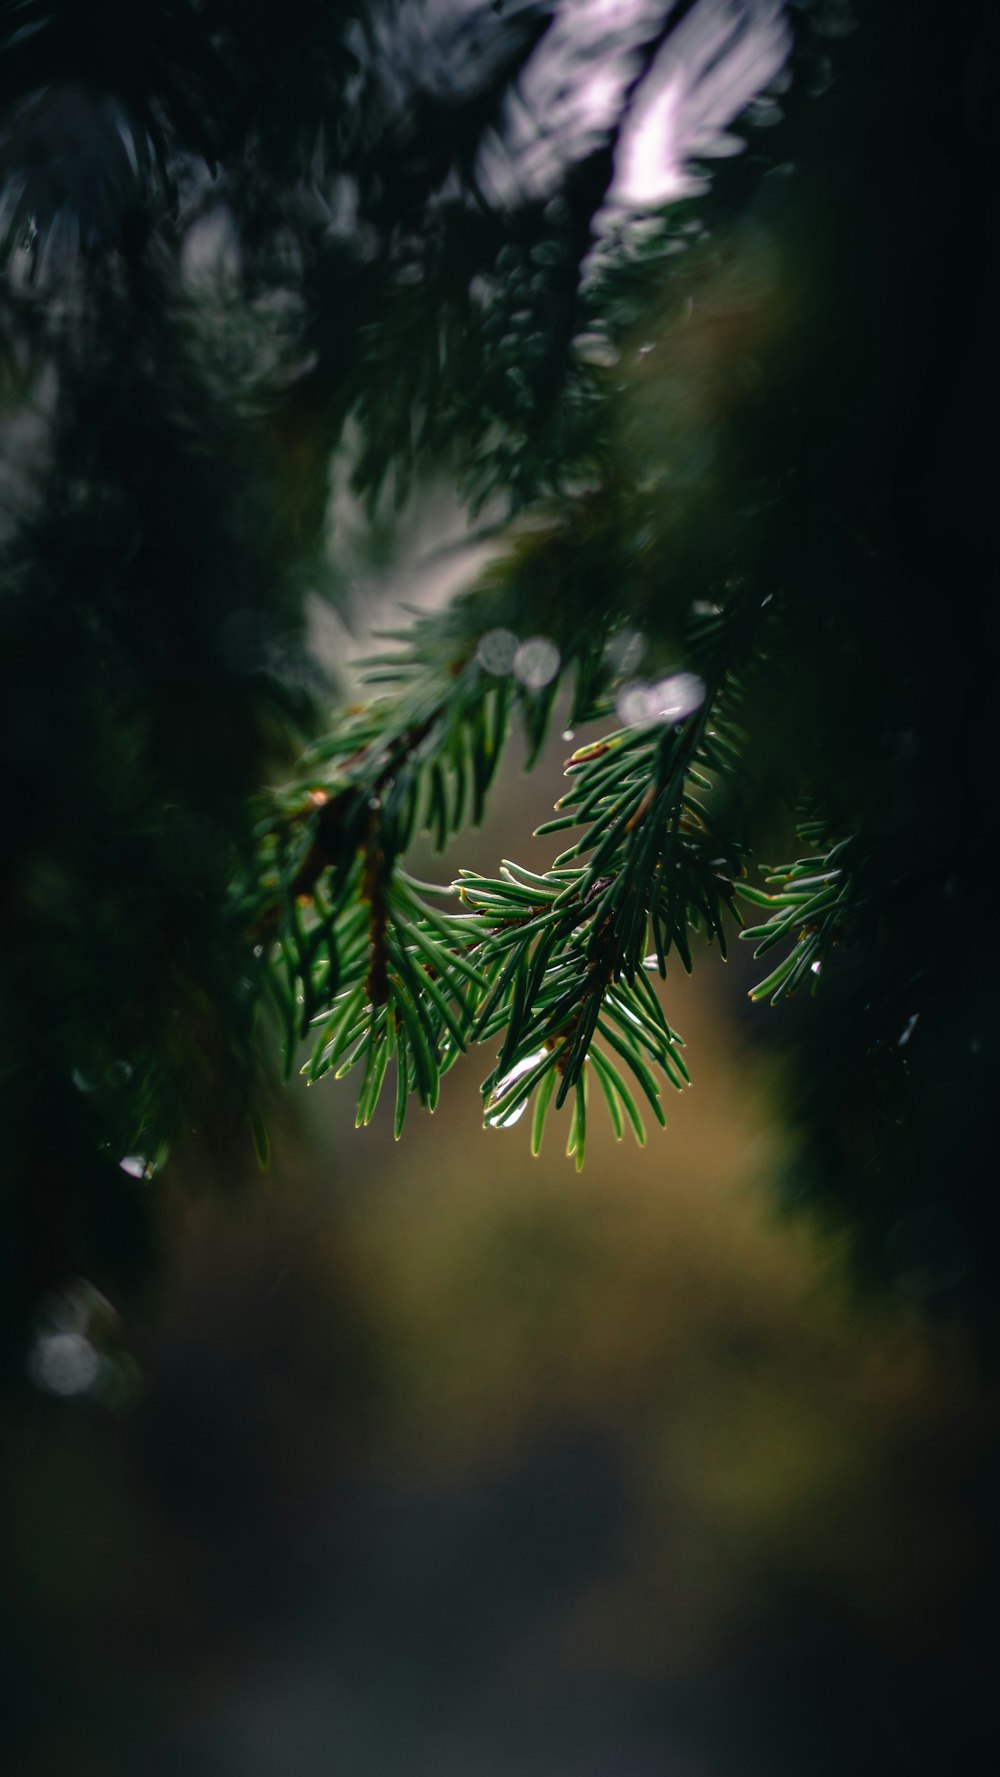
(747, 427)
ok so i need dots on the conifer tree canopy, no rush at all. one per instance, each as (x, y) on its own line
(692, 304)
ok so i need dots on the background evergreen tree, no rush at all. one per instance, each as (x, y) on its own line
(744, 426)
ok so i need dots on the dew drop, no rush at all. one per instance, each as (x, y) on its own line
(633, 705)
(511, 1118)
(137, 1166)
(677, 696)
(536, 663)
(496, 651)
(63, 1363)
(502, 1086)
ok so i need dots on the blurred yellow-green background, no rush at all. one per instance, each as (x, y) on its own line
(438, 1458)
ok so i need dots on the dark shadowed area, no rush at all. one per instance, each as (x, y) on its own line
(628, 363)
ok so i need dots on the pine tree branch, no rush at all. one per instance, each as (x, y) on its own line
(813, 902)
(554, 964)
